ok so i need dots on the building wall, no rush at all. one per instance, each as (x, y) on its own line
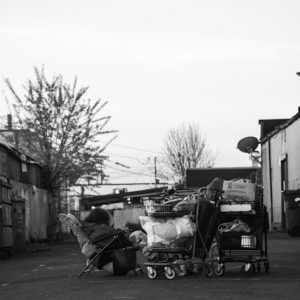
(276, 154)
(293, 151)
(26, 182)
(129, 214)
(285, 143)
(36, 209)
(265, 165)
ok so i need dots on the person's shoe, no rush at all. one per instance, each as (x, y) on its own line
(88, 249)
(109, 268)
(68, 220)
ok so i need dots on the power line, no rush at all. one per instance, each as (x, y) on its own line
(126, 156)
(117, 177)
(122, 165)
(134, 148)
(118, 163)
(139, 173)
(131, 172)
(136, 173)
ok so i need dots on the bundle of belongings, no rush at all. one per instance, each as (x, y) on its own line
(239, 190)
(184, 206)
(168, 233)
(236, 225)
(170, 230)
(167, 224)
(171, 206)
(168, 220)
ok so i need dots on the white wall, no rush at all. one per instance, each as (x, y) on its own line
(285, 142)
(293, 151)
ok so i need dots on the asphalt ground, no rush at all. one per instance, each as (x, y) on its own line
(51, 272)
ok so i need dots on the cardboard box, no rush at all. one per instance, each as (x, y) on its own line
(239, 190)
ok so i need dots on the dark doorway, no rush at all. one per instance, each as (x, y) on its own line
(284, 187)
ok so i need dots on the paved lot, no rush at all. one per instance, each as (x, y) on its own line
(50, 272)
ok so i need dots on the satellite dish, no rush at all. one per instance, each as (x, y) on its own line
(248, 144)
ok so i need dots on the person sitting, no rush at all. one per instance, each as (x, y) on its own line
(95, 232)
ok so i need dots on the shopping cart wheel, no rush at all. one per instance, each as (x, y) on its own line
(170, 273)
(151, 273)
(208, 270)
(219, 269)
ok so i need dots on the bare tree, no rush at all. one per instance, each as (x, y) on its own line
(185, 147)
(61, 127)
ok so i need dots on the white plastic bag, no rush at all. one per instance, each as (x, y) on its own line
(166, 230)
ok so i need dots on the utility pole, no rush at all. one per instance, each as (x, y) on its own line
(101, 174)
(155, 171)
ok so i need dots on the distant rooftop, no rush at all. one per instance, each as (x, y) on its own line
(269, 127)
(200, 177)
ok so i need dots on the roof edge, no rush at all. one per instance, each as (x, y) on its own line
(280, 127)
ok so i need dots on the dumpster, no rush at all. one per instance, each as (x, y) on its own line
(292, 200)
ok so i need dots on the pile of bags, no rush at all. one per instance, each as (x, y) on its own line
(166, 231)
(236, 225)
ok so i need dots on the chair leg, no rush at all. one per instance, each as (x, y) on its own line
(86, 270)
(89, 267)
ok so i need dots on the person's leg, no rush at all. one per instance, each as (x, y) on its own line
(87, 249)
(109, 268)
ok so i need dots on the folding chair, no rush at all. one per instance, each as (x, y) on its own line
(115, 243)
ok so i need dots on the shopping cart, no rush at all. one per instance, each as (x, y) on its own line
(249, 247)
(176, 259)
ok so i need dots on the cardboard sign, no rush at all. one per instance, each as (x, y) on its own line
(239, 191)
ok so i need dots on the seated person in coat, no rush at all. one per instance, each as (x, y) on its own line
(93, 234)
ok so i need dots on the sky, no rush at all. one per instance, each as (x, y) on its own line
(222, 64)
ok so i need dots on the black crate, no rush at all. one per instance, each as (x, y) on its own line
(238, 241)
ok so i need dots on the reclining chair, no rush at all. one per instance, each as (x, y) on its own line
(116, 248)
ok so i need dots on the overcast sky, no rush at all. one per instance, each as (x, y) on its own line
(222, 64)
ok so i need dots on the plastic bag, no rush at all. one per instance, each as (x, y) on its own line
(236, 225)
(185, 206)
(164, 231)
